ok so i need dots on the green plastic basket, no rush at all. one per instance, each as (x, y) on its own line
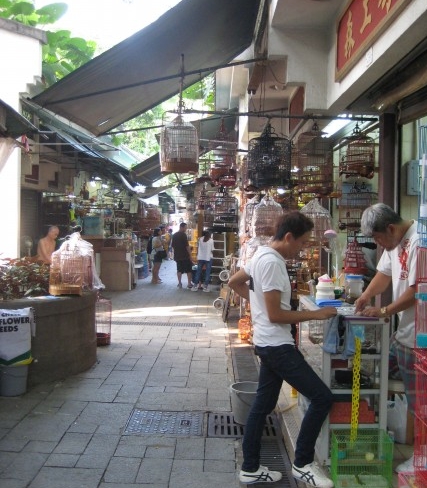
(368, 459)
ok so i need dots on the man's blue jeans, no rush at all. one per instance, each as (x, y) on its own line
(278, 364)
(200, 265)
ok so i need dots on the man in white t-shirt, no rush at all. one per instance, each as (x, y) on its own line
(397, 267)
(265, 282)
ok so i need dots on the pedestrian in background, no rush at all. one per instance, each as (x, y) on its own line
(264, 281)
(47, 245)
(205, 248)
(182, 255)
(158, 254)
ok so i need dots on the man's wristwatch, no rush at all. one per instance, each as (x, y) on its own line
(383, 312)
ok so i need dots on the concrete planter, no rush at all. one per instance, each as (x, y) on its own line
(65, 341)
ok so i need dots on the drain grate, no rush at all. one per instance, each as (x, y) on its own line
(223, 425)
(169, 423)
(274, 455)
(157, 324)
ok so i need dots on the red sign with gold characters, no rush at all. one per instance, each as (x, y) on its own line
(360, 25)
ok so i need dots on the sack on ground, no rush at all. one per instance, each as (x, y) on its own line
(396, 417)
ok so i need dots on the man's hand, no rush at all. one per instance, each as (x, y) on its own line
(371, 312)
(361, 303)
(325, 313)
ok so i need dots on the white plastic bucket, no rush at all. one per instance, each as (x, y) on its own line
(13, 380)
(242, 396)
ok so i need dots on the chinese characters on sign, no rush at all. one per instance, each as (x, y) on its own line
(361, 24)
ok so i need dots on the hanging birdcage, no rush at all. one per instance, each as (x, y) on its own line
(245, 227)
(264, 218)
(354, 259)
(203, 199)
(269, 160)
(179, 143)
(352, 205)
(321, 218)
(357, 155)
(221, 214)
(315, 163)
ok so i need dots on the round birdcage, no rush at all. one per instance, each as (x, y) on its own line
(321, 218)
(265, 216)
(179, 147)
(315, 163)
(269, 160)
(221, 213)
(357, 155)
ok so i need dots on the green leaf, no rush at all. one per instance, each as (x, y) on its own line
(22, 8)
(49, 14)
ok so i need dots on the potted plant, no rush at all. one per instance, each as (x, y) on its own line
(23, 277)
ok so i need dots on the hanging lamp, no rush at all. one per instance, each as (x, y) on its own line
(179, 144)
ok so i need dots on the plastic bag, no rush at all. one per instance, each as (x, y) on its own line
(396, 417)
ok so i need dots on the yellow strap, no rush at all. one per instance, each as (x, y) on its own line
(356, 391)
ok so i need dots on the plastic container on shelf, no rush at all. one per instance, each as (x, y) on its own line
(353, 287)
(325, 288)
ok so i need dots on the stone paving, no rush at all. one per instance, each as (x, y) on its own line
(70, 434)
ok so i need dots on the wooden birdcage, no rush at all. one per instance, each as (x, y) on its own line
(66, 271)
(221, 214)
(352, 205)
(354, 260)
(265, 216)
(315, 164)
(179, 142)
(321, 218)
(103, 312)
(357, 155)
(269, 160)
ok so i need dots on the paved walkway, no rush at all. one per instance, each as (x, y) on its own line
(71, 433)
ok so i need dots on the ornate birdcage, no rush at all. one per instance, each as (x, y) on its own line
(354, 260)
(351, 206)
(67, 271)
(315, 164)
(269, 160)
(245, 228)
(321, 218)
(179, 143)
(265, 216)
(221, 214)
(357, 155)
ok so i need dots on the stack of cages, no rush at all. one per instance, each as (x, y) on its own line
(103, 311)
(365, 461)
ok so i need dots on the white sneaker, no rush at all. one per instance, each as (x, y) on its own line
(206, 289)
(262, 475)
(194, 288)
(312, 475)
(407, 466)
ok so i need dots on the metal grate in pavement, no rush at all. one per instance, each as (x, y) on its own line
(165, 423)
(245, 364)
(223, 425)
(274, 455)
(157, 324)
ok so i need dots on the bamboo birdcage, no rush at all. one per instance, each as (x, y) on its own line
(179, 142)
(221, 214)
(269, 160)
(67, 272)
(315, 164)
(357, 155)
(321, 218)
(265, 216)
(352, 205)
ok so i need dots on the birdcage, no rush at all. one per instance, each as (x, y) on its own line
(315, 163)
(179, 147)
(103, 311)
(221, 213)
(265, 217)
(269, 160)
(321, 218)
(245, 227)
(66, 271)
(354, 259)
(352, 205)
(203, 198)
(179, 142)
(357, 155)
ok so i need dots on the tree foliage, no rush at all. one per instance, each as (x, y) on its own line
(63, 53)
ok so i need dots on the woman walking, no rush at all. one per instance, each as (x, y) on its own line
(159, 254)
(204, 259)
